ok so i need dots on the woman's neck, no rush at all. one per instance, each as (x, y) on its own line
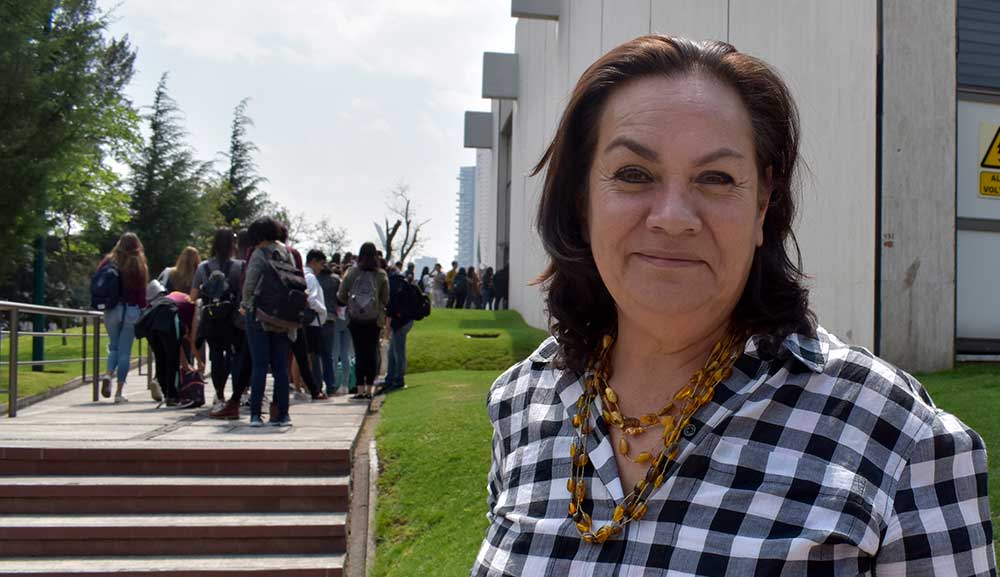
(654, 361)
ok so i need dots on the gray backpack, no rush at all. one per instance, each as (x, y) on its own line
(362, 304)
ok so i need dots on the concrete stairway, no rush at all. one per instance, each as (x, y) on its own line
(148, 510)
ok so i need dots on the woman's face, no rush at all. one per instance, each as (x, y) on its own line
(676, 206)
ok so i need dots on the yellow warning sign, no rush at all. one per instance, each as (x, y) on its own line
(991, 158)
(989, 184)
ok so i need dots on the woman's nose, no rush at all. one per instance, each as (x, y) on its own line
(673, 209)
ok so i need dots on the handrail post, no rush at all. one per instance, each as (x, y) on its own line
(83, 373)
(97, 358)
(12, 384)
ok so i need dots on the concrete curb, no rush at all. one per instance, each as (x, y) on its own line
(372, 497)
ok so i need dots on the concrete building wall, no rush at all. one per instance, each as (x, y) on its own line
(828, 59)
(918, 184)
(485, 224)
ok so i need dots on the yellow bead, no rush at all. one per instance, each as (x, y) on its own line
(673, 453)
(616, 418)
(602, 534)
(640, 487)
(616, 529)
(623, 446)
(572, 508)
(582, 460)
(577, 420)
(583, 528)
(610, 394)
(588, 536)
(648, 420)
(570, 485)
(572, 450)
(658, 481)
(643, 457)
(607, 416)
(581, 492)
(639, 511)
(618, 514)
(684, 393)
(607, 341)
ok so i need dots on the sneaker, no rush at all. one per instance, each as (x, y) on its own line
(320, 396)
(228, 411)
(171, 402)
(256, 422)
(154, 391)
(120, 398)
(106, 387)
(285, 421)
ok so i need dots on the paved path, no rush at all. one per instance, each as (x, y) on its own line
(74, 420)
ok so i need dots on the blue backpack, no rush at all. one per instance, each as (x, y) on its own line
(105, 288)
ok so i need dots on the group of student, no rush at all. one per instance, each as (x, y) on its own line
(462, 288)
(266, 311)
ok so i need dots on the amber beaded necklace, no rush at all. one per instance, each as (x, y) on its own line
(687, 401)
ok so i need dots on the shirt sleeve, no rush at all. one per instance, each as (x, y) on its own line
(316, 301)
(940, 519)
(253, 275)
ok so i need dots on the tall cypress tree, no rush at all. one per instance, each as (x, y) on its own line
(244, 200)
(167, 184)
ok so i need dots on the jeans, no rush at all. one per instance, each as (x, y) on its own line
(267, 348)
(343, 350)
(120, 322)
(397, 357)
(487, 298)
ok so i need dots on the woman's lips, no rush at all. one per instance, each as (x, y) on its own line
(671, 261)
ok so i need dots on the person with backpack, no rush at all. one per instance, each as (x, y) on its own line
(475, 290)
(242, 362)
(119, 289)
(181, 276)
(407, 304)
(487, 290)
(365, 292)
(274, 300)
(170, 325)
(300, 366)
(216, 282)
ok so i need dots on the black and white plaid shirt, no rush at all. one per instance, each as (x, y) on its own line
(819, 459)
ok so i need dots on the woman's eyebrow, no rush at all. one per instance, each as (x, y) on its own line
(636, 147)
(651, 155)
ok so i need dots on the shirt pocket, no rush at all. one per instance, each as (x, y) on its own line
(759, 502)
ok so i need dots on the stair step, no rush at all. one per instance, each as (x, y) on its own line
(182, 494)
(158, 460)
(178, 566)
(211, 534)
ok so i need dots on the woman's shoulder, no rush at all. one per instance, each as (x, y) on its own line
(873, 395)
(521, 380)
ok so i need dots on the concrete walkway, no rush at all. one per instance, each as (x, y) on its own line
(74, 420)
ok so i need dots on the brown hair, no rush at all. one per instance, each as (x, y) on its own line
(582, 311)
(130, 258)
(182, 273)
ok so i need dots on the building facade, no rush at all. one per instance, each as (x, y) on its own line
(897, 224)
(465, 247)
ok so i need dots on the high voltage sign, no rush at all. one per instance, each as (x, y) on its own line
(989, 182)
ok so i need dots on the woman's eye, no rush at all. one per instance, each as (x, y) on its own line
(632, 175)
(716, 178)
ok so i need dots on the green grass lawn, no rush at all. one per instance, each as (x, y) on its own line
(434, 438)
(30, 382)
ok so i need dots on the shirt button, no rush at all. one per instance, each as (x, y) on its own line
(689, 431)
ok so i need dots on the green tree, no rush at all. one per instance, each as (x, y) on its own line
(168, 186)
(63, 118)
(245, 201)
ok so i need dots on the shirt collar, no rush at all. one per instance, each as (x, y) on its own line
(810, 350)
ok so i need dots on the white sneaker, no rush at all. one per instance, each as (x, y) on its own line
(121, 398)
(154, 391)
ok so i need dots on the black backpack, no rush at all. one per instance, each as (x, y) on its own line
(280, 297)
(161, 316)
(105, 288)
(409, 303)
(218, 303)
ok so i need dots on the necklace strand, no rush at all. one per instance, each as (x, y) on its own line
(699, 390)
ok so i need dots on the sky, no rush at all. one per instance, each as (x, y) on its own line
(349, 99)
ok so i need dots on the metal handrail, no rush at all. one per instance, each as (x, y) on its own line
(15, 309)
